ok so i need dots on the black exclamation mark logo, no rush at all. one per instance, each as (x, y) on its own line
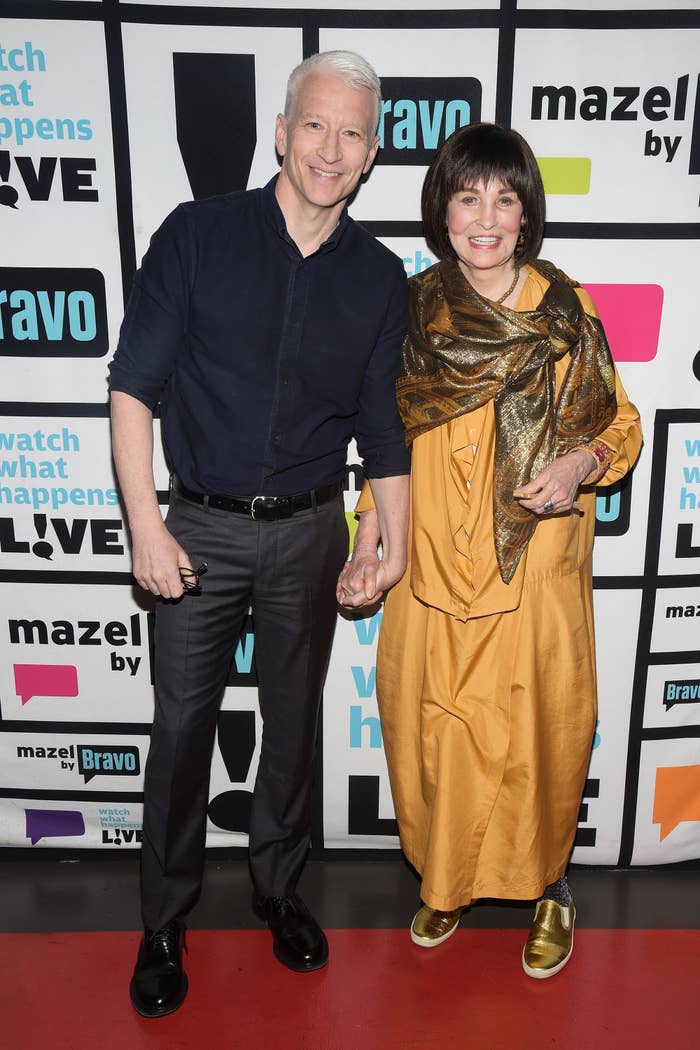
(236, 736)
(8, 194)
(215, 118)
(42, 548)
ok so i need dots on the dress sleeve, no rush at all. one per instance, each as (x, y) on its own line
(365, 500)
(624, 435)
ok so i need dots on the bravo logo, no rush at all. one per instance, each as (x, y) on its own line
(93, 759)
(419, 113)
(52, 313)
(97, 760)
(681, 691)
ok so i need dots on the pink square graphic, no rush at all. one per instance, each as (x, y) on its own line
(631, 316)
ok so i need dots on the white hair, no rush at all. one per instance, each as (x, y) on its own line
(352, 68)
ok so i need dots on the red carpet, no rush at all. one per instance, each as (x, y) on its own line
(622, 989)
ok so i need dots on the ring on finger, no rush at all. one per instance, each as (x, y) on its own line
(548, 506)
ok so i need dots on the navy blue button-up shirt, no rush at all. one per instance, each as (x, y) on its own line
(265, 363)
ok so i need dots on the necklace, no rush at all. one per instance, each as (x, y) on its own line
(508, 292)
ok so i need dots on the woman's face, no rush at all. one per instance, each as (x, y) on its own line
(483, 223)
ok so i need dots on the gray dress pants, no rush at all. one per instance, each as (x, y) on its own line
(286, 571)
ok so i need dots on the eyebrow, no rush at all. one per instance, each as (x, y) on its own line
(476, 189)
(310, 115)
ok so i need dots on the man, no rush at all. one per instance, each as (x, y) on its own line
(268, 325)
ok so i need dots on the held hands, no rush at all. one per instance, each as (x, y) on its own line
(554, 490)
(358, 583)
(366, 577)
(157, 561)
(364, 580)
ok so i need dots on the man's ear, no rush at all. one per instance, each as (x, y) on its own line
(281, 134)
(371, 155)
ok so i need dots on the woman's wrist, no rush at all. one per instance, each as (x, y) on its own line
(598, 459)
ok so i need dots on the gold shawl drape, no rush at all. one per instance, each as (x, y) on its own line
(462, 351)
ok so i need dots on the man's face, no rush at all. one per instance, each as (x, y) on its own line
(327, 142)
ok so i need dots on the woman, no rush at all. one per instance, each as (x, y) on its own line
(486, 664)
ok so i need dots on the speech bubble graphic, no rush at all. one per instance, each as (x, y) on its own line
(631, 316)
(100, 760)
(681, 691)
(53, 824)
(43, 549)
(45, 680)
(676, 797)
(9, 197)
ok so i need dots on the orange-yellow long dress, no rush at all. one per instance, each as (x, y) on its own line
(487, 691)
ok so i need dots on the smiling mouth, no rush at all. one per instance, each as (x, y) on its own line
(485, 240)
(326, 174)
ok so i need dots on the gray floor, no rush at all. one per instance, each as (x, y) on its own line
(48, 895)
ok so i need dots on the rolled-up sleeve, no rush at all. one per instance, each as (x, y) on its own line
(155, 322)
(623, 437)
(379, 431)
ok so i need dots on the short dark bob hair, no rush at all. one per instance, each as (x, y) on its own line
(483, 152)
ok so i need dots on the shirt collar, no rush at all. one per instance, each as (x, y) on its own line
(273, 214)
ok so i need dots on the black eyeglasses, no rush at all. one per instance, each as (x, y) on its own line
(191, 577)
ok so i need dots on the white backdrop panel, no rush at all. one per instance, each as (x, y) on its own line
(668, 806)
(101, 632)
(158, 172)
(59, 505)
(58, 137)
(626, 184)
(352, 742)
(676, 620)
(681, 502)
(68, 825)
(616, 618)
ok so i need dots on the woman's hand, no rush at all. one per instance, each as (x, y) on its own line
(366, 577)
(358, 583)
(554, 490)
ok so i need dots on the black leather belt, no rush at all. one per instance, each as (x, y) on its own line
(262, 508)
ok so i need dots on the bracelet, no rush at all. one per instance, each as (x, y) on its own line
(602, 454)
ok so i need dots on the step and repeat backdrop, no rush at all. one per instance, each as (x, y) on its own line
(110, 115)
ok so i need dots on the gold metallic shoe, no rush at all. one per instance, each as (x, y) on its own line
(431, 927)
(551, 941)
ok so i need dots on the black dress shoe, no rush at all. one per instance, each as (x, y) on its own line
(159, 984)
(298, 940)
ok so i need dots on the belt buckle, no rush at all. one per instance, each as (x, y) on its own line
(252, 505)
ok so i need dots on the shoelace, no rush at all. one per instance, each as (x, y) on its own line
(167, 938)
(281, 905)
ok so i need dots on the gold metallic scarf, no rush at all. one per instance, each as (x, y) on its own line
(462, 351)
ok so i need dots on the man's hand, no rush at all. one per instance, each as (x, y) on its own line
(554, 490)
(156, 555)
(366, 577)
(157, 561)
(359, 582)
